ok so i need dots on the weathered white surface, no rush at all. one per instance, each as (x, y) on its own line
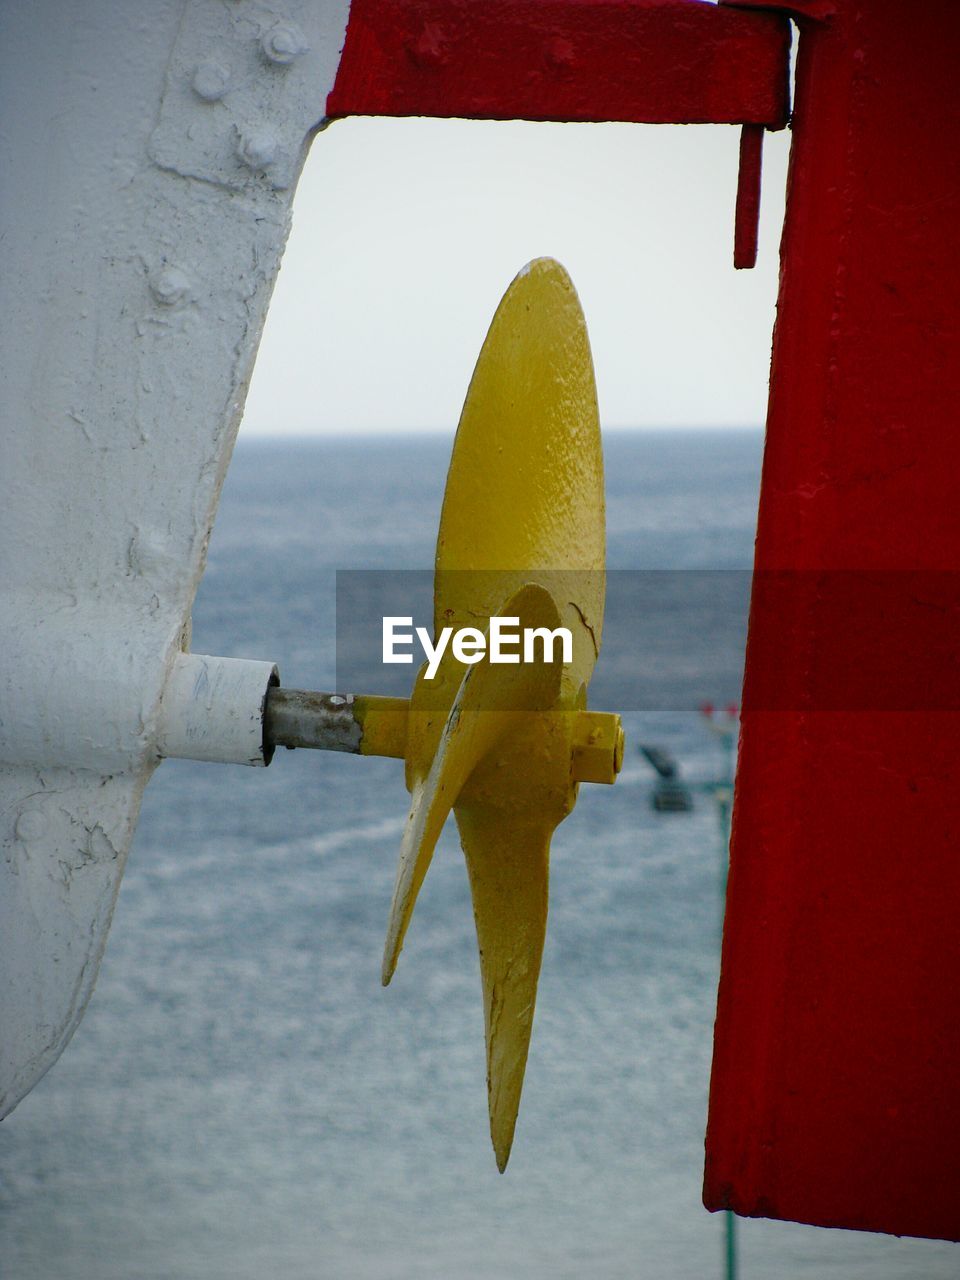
(148, 154)
(66, 836)
(213, 709)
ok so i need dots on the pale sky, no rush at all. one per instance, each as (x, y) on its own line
(406, 233)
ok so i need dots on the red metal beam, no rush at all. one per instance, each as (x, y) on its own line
(651, 61)
(835, 1096)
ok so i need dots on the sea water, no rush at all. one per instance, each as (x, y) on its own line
(243, 1100)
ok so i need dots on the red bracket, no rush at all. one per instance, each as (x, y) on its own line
(747, 219)
(649, 61)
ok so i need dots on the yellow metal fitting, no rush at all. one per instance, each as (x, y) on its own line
(383, 724)
(597, 754)
(596, 747)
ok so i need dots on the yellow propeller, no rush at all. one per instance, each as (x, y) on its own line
(522, 535)
(503, 744)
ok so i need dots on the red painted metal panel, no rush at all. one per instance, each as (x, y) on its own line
(654, 61)
(835, 1096)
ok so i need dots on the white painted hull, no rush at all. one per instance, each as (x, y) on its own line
(148, 182)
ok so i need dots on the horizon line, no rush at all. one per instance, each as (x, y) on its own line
(380, 433)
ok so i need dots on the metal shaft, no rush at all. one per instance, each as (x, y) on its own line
(297, 718)
(375, 726)
(335, 722)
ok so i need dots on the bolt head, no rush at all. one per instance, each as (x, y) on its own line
(169, 286)
(559, 53)
(283, 44)
(428, 48)
(258, 148)
(597, 747)
(148, 553)
(210, 80)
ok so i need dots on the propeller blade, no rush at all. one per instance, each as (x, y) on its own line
(524, 500)
(491, 702)
(508, 856)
